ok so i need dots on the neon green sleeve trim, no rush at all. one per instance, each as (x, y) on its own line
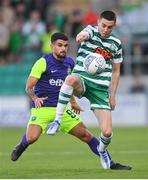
(38, 68)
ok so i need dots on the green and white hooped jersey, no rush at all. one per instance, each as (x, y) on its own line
(109, 47)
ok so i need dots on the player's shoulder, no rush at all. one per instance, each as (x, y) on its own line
(39, 65)
(115, 38)
(92, 27)
(47, 57)
(69, 60)
(40, 61)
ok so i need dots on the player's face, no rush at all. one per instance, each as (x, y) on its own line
(105, 27)
(60, 48)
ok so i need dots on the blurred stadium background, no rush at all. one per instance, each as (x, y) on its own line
(25, 30)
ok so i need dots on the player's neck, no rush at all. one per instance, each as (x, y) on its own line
(57, 58)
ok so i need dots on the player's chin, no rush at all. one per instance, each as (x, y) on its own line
(62, 55)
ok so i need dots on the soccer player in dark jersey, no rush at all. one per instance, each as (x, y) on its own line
(43, 87)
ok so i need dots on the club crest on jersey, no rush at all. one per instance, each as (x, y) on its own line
(33, 118)
(113, 47)
(69, 70)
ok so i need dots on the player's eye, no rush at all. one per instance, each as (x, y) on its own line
(103, 25)
(110, 27)
(60, 45)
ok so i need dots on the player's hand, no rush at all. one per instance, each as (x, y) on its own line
(76, 108)
(81, 37)
(112, 100)
(39, 101)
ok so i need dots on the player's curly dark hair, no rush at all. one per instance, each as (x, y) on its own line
(58, 35)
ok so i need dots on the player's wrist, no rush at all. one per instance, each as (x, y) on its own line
(34, 98)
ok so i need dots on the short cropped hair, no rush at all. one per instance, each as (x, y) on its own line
(109, 15)
(57, 36)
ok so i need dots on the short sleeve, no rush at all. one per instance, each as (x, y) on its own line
(38, 68)
(118, 58)
(89, 30)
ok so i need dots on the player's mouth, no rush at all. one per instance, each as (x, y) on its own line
(63, 53)
(104, 34)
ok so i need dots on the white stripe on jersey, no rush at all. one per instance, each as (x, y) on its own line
(105, 74)
(97, 81)
(115, 39)
(117, 60)
(105, 44)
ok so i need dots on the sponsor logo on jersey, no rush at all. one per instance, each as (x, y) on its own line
(57, 82)
(69, 70)
(113, 47)
(104, 53)
(53, 71)
(33, 118)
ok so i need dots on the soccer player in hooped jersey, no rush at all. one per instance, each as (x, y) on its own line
(43, 87)
(95, 39)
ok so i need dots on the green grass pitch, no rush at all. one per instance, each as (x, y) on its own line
(65, 157)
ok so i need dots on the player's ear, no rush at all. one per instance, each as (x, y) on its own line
(51, 45)
(98, 21)
(115, 25)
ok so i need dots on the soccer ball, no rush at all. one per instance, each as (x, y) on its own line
(94, 63)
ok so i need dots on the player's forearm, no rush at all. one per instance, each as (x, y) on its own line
(83, 35)
(31, 93)
(115, 82)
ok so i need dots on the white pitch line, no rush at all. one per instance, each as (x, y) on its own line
(75, 152)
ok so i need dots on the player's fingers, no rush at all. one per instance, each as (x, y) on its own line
(77, 111)
(44, 98)
(37, 105)
(81, 109)
(79, 39)
(74, 110)
(113, 107)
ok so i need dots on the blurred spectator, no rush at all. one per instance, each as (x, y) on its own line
(15, 43)
(32, 31)
(56, 13)
(60, 20)
(20, 10)
(46, 37)
(138, 86)
(32, 39)
(90, 17)
(137, 56)
(75, 21)
(8, 12)
(4, 39)
(137, 51)
(34, 24)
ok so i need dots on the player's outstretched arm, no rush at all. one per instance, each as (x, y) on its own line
(82, 36)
